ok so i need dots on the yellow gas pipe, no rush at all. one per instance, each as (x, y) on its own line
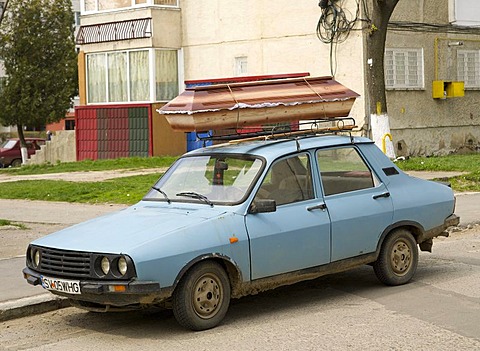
(384, 142)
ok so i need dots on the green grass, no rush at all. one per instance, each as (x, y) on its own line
(467, 182)
(460, 163)
(126, 190)
(90, 165)
(129, 190)
(5, 222)
(470, 164)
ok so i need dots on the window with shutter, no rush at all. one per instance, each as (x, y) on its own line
(404, 68)
(468, 67)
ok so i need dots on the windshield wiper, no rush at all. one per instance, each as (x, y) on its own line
(195, 195)
(162, 192)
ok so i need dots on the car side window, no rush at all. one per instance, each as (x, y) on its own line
(288, 180)
(343, 170)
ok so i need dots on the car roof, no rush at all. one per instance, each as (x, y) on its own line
(273, 148)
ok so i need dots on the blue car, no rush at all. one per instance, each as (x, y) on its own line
(243, 217)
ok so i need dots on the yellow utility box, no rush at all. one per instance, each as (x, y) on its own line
(442, 89)
(456, 89)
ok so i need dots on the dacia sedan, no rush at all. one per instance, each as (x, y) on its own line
(239, 218)
(11, 154)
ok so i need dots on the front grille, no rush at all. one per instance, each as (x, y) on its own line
(65, 263)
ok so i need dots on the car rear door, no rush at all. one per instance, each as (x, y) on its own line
(297, 234)
(359, 205)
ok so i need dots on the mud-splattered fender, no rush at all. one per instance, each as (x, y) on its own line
(231, 267)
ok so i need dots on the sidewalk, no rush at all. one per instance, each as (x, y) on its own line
(18, 299)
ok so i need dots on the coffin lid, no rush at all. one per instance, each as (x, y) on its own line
(261, 94)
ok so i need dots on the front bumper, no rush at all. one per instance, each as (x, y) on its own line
(112, 293)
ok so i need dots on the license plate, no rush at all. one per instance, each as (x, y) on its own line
(61, 285)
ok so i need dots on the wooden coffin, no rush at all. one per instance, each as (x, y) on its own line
(238, 105)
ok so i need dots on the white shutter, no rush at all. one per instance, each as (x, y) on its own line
(404, 68)
(468, 67)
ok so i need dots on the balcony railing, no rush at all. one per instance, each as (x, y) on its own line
(115, 31)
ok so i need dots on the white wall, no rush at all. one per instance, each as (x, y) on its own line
(464, 12)
(276, 37)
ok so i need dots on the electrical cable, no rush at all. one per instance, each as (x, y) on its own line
(336, 23)
(419, 27)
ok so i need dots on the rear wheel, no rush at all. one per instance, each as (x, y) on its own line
(202, 297)
(16, 163)
(398, 259)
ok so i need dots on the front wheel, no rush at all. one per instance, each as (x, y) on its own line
(202, 297)
(398, 259)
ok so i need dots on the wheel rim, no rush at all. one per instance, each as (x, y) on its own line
(207, 296)
(401, 257)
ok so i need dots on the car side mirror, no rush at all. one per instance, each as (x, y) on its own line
(263, 206)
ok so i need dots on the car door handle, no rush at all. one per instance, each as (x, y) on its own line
(385, 194)
(321, 206)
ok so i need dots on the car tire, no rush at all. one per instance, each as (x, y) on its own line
(202, 297)
(398, 258)
(16, 163)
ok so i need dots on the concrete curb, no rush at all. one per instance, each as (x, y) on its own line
(31, 305)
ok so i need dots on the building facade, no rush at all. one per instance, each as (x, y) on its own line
(135, 55)
(432, 70)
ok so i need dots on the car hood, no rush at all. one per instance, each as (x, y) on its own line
(120, 232)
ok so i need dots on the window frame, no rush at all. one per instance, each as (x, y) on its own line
(133, 5)
(373, 176)
(420, 71)
(241, 66)
(152, 75)
(309, 193)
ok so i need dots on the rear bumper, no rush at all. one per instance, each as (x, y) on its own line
(113, 293)
(450, 221)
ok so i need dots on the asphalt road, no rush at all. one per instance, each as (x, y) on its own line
(438, 310)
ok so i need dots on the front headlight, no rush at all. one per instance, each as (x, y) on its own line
(36, 258)
(105, 265)
(113, 266)
(122, 265)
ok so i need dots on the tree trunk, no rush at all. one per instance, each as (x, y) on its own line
(381, 10)
(23, 143)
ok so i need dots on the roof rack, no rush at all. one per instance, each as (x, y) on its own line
(283, 130)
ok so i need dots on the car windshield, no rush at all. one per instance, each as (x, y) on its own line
(8, 144)
(215, 179)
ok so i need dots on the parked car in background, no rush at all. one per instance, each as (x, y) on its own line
(10, 154)
(238, 218)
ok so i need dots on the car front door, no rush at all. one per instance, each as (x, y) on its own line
(359, 205)
(297, 234)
